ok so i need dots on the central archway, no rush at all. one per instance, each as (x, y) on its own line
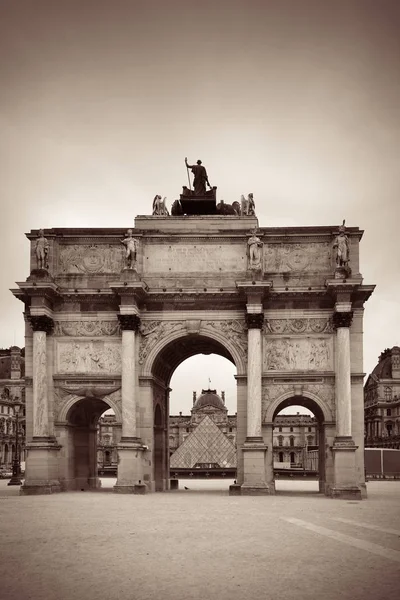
(159, 368)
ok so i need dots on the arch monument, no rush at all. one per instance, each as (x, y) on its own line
(110, 314)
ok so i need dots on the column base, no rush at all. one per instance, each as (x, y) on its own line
(255, 490)
(139, 488)
(346, 493)
(40, 489)
(41, 467)
(130, 467)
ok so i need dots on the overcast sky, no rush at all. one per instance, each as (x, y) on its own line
(297, 101)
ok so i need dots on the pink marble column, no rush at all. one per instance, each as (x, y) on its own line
(41, 325)
(254, 374)
(129, 325)
(342, 322)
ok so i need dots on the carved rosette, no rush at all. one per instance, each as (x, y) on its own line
(342, 319)
(129, 322)
(254, 320)
(41, 323)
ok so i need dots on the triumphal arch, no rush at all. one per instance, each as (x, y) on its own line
(110, 314)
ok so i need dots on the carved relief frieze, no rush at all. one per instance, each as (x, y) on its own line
(152, 332)
(90, 259)
(312, 256)
(86, 328)
(88, 357)
(234, 330)
(300, 325)
(298, 354)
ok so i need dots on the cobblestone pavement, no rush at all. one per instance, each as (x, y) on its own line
(200, 543)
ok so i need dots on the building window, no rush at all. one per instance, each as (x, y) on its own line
(293, 458)
(280, 440)
(387, 393)
(280, 428)
(230, 429)
(389, 429)
(309, 429)
(389, 412)
(187, 429)
(280, 456)
(291, 429)
(291, 441)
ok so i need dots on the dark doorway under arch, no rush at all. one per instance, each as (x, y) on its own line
(304, 460)
(82, 420)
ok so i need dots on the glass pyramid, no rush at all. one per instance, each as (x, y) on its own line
(205, 445)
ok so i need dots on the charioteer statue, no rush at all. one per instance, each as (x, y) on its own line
(200, 178)
(199, 200)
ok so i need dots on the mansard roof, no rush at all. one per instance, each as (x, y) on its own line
(383, 369)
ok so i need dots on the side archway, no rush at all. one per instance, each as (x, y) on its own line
(320, 458)
(76, 430)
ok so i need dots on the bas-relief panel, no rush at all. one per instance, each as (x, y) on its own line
(188, 258)
(88, 357)
(90, 259)
(280, 258)
(298, 354)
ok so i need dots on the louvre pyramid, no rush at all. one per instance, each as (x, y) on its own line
(206, 444)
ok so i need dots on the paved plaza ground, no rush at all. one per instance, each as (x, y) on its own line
(200, 544)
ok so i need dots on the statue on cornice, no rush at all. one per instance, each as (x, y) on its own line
(42, 251)
(200, 178)
(341, 247)
(159, 207)
(255, 246)
(248, 205)
(131, 246)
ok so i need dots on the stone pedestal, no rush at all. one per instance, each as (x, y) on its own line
(254, 468)
(130, 467)
(344, 465)
(41, 468)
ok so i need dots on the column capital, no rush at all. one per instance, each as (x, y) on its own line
(254, 320)
(129, 322)
(41, 323)
(342, 319)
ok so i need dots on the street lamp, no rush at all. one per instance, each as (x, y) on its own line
(16, 466)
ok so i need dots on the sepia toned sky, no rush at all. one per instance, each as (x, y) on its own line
(297, 101)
